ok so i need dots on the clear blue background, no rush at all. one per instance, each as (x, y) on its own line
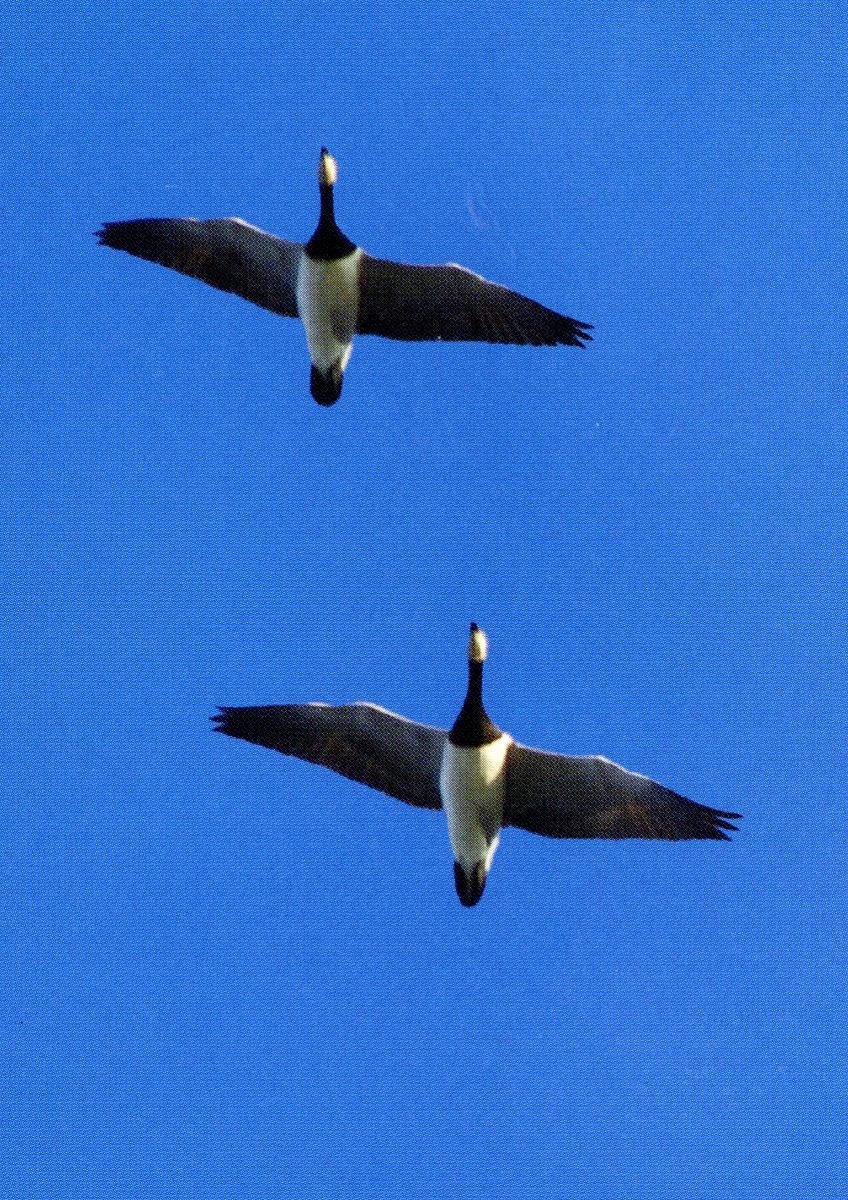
(226, 973)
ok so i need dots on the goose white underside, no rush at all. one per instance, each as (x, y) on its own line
(472, 789)
(327, 303)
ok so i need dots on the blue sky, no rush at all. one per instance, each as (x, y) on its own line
(229, 973)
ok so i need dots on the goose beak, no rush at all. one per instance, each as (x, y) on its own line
(478, 644)
(328, 170)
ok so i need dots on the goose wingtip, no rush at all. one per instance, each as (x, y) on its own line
(220, 719)
(581, 334)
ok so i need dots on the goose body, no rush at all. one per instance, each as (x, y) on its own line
(472, 787)
(478, 775)
(327, 299)
(337, 290)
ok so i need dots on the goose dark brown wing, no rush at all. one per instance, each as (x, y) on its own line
(361, 741)
(449, 303)
(560, 796)
(228, 254)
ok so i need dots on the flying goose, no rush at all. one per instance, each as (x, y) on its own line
(481, 777)
(338, 290)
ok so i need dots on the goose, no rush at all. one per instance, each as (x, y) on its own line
(482, 779)
(338, 290)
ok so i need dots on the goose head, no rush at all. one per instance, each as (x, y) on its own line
(478, 645)
(473, 726)
(328, 169)
(328, 243)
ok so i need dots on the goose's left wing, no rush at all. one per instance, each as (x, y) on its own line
(562, 796)
(362, 741)
(450, 303)
(226, 253)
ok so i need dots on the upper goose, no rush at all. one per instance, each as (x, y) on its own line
(338, 290)
(481, 777)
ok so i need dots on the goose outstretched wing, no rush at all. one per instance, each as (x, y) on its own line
(562, 796)
(362, 741)
(227, 253)
(451, 303)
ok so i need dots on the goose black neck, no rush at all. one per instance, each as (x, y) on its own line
(328, 242)
(473, 726)
(328, 212)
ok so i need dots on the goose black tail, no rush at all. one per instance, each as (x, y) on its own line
(469, 886)
(326, 389)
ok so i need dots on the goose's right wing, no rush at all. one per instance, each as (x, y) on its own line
(362, 741)
(228, 254)
(450, 303)
(562, 796)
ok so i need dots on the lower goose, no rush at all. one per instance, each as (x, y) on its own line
(482, 779)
